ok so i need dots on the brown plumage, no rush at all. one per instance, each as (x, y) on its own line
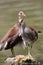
(19, 33)
(13, 31)
(13, 37)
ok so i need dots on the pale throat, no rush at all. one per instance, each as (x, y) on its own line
(20, 18)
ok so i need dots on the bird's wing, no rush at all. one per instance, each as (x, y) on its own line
(13, 31)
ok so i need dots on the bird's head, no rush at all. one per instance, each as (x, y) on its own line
(20, 16)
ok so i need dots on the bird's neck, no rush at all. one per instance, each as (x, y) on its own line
(20, 18)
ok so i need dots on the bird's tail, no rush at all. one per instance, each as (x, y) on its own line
(1, 46)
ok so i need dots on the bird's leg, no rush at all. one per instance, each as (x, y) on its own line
(12, 50)
(29, 52)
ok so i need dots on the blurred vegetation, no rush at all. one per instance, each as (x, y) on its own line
(34, 18)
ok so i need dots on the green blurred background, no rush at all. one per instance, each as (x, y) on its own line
(34, 17)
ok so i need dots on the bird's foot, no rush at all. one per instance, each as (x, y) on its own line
(31, 57)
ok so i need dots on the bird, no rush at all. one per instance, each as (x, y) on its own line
(29, 36)
(20, 33)
(12, 37)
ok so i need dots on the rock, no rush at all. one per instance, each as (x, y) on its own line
(20, 60)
